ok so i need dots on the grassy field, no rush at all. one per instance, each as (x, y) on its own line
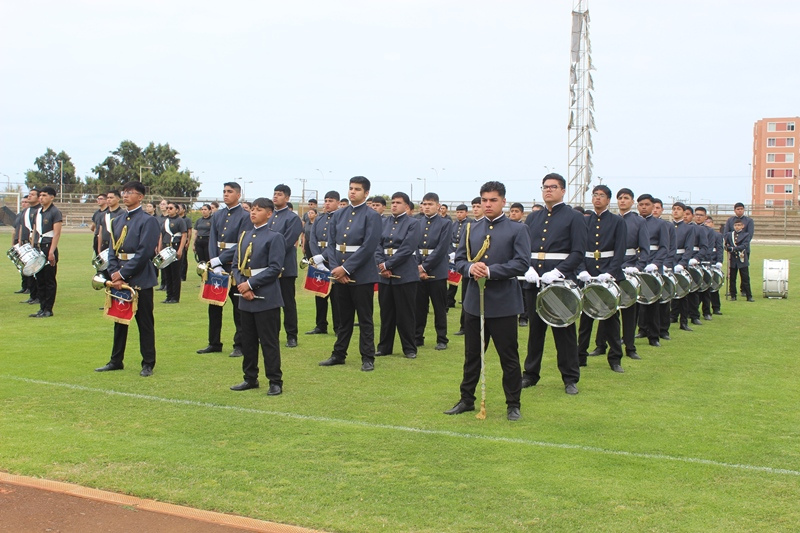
(700, 435)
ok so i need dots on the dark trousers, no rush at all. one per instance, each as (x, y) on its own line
(503, 332)
(629, 316)
(30, 283)
(705, 302)
(184, 262)
(321, 319)
(46, 284)
(173, 277)
(352, 299)
(524, 314)
(715, 303)
(147, 333)
(610, 332)
(650, 321)
(451, 295)
(215, 321)
(664, 318)
(680, 310)
(201, 249)
(745, 273)
(397, 303)
(289, 306)
(566, 346)
(693, 305)
(262, 328)
(436, 292)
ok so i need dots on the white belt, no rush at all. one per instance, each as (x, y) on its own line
(598, 254)
(653, 247)
(426, 251)
(125, 257)
(48, 234)
(323, 244)
(696, 249)
(545, 256)
(226, 245)
(256, 271)
(630, 251)
(680, 251)
(388, 251)
(347, 249)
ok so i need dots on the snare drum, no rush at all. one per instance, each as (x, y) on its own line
(600, 299)
(668, 285)
(697, 278)
(717, 279)
(165, 257)
(100, 261)
(628, 291)
(776, 278)
(28, 259)
(649, 288)
(706, 283)
(683, 284)
(559, 304)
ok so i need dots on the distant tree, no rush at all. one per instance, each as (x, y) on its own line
(48, 171)
(171, 182)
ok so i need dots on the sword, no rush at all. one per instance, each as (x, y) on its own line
(482, 413)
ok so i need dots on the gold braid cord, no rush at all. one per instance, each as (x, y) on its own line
(117, 245)
(484, 247)
(481, 415)
(247, 254)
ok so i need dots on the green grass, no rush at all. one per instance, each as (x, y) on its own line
(654, 449)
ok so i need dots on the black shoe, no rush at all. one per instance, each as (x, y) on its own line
(440, 346)
(527, 382)
(571, 388)
(22, 291)
(146, 371)
(317, 331)
(685, 327)
(274, 390)
(696, 322)
(665, 337)
(331, 361)
(411, 355)
(523, 323)
(237, 352)
(380, 354)
(37, 314)
(291, 343)
(459, 408)
(161, 288)
(513, 414)
(673, 320)
(633, 355)
(598, 351)
(35, 301)
(210, 349)
(706, 317)
(108, 368)
(717, 312)
(367, 366)
(618, 368)
(246, 385)
(459, 332)
(654, 342)
(640, 335)
(45, 314)
(733, 297)
(750, 299)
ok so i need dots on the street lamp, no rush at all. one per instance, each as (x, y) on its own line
(424, 185)
(140, 171)
(321, 173)
(243, 184)
(690, 196)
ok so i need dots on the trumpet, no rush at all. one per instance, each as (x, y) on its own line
(202, 268)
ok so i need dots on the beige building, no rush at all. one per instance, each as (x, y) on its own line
(776, 161)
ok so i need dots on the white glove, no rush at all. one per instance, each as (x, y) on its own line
(718, 265)
(318, 260)
(631, 270)
(218, 270)
(679, 268)
(693, 262)
(550, 277)
(452, 257)
(585, 277)
(321, 267)
(605, 276)
(215, 262)
(531, 276)
(651, 268)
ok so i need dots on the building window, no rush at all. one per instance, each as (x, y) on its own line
(770, 189)
(771, 126)
(780, 141)
(768, 203)
(790, 126)
(789, 141)
(788, 158)
(788, 189)
(780, 158)
(780, 173)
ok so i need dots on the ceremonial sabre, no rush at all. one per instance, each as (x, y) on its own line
(482, 413)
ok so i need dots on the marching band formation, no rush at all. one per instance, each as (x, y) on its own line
(559, 268)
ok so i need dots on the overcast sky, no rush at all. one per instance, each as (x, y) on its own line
(271, 91)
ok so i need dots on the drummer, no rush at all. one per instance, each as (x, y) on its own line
(202, 230)
(716, 259)
(113, 210)
(47, 232)
(649, 325)
(24, 289)
(606, 241)
(173, 235)
(558, 242)
(25, 235)
(684, 258)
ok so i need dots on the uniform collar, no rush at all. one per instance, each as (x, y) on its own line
(496, 219)
(135, 210)
(262, 225)
(359, 205)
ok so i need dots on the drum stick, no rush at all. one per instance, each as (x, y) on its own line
(254, 296)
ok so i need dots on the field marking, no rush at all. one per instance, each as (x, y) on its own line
(408, 429)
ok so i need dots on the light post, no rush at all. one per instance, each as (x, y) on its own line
(61, 164)
(321, 173)
(140, 172)
(243, 184)
(690, 196)
(424, 185)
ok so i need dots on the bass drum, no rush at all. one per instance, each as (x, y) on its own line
(683, 285)
(649, 288)
(600, 299)
(559, 304)
(697, 278)
(668, 285)
(717, 279)
(776, 278)
(628, 291)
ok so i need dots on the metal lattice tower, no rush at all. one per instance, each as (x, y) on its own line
(581, 105)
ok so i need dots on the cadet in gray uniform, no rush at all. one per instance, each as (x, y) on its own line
(317, 244)
(432, 256)
(458, 228)
(684, 254)
(716, 259)
(738, 243)
(287, 223)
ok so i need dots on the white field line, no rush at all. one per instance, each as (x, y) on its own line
(407, 429)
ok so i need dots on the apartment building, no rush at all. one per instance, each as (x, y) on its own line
(776, 161)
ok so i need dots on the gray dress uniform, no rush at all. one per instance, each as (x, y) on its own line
(686, 242)
(320, 233)
(458, 229)
(288, 224)
(435, 245)
(738, 244)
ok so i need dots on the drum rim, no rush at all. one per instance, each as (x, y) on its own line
(571, 288)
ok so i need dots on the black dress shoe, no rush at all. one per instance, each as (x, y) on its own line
(411, 355)
(331, 361)
(37, 314)
(527, 382)
(45, 314)
(22, 291)
(654, 342)
(34, 301)
(513, 414)
(697, 322)
(440, 346)
(718, 312)
(210, 349)
(459, 408)
(733, 297)
(706, 317)
(108, 368)
(571, 388)
(317, 331)
(750, 299)
(633, 355)
(618, 368)
(665, 337)
(459, 332)
(685, 327)
(367, 366)
(245, 385)
(380, 354)
(146, 371)
(237, 352)
(274, 390)
(523, 324)
(598, 351)
(291, 343)
(639, 335)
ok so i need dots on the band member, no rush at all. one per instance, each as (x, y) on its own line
(738, 210)
(606, 242)
(399, 278)
(516, 213)
(97, 219)
(134, 238)
(226, 226)
(310, 216)
(184, 258)
(650, 323)
(699, 250)
(25, 235)
(378, 203)
(716, 259)
(498, 250)
(477, 214)
(558, 243)
(162, 209)
(46, 234)
(18, 224)
(458, 227)
(738, 243)
(343, 203)
(256, 270)
(355, 233)
(312, 204)
(705, 236)
(432, 257)
(318, 243)
(113, 210)
(202, 231)
(665, 308)
(444, 211)
(288, 224)
(173, 235)
(684, 258)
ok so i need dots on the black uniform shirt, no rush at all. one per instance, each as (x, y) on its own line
(354, 228)
(202, 227)
(226, 226)
(435, 245)
(561, 230)
(176, 225)
(48, 220)
(638, 241)
(105, 225)
(398, 249)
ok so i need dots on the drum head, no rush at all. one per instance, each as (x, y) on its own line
(600, 300)
(32, 260)
(649, 288)
(668, 284)
(628, 291)
(559, 304)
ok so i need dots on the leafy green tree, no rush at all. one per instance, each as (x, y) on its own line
(48, 171)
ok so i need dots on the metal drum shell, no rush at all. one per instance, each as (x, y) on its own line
(697, 278)
(717, 279)
(600, 299)
(628, 291)
(668, 286)
(31, 260)
(100, 261)
(165, 257)
(649, 288)
(707, 279)
(683, 284)
(559, 304)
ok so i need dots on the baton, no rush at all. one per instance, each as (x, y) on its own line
(334, 278)
(482, 413)
(254, 296)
